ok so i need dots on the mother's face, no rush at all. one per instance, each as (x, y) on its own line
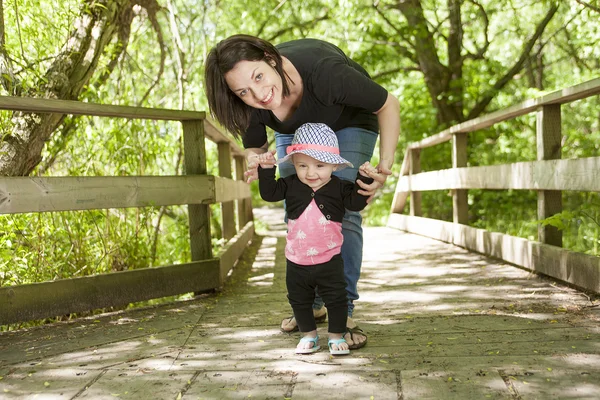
(256, 83)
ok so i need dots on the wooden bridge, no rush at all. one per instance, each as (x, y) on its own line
(442, 322)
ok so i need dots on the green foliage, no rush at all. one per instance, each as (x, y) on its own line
(52, 246)
(507, 211)
(37, 32)
(580, 222)
(378, 210)
(580, 227)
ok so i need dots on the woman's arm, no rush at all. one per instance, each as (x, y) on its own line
(388, 117)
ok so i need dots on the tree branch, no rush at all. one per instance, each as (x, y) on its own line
(121, 48)
(402, 50)
(18, 19)
(262, 27)
(588, 5)
(500, 83)
(454, 36)
(300, 25)
(486, 21)
(572, 52)
(381, 74)
(455, 60)
(152, 7)
(179, 53)
(7, 76)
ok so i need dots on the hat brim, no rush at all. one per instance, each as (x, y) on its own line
(320, 155)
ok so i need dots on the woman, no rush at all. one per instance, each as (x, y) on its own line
(251, 85)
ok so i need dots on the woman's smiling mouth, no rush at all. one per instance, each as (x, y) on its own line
(268, 99)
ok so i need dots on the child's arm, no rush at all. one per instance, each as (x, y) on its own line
(353, 200)
(270, 189)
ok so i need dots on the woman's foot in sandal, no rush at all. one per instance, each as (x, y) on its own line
(355, 337)
(308, 344)
(289, 325)
(337, 345)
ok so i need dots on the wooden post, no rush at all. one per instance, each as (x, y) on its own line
(548, 132)
(415, 197)
(399, 200)
(199, 214)
(227, 208)
(242, 204)
(460, 205)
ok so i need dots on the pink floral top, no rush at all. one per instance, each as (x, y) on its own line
(313, 238)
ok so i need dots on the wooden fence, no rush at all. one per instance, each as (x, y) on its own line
(549, 176)
(196, 189)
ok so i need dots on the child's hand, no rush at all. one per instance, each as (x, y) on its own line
(368, 170)
(267, 160)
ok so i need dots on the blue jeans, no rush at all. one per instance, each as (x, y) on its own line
(356, 146)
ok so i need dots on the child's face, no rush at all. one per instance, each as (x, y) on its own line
(311, 172)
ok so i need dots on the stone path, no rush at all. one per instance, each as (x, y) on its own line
(442, 323)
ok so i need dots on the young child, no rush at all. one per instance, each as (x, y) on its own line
(315, 204)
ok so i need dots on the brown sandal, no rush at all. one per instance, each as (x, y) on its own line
(351, 332)
(319, 319)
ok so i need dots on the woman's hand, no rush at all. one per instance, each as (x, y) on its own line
(253, 160)
(379, 176)
(251, 173)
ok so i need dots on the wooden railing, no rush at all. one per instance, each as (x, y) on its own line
(196, 189)
(549, 176)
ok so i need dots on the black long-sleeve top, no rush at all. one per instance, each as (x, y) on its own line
(332, 199)
(336, 91)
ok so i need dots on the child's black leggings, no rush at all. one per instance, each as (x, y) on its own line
(328, 279)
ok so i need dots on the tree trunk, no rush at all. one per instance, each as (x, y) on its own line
(437, 75)
(100, 21)
(455, 89)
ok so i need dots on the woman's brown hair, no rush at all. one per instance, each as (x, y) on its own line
(225, 105)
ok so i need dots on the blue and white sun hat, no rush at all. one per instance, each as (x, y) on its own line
(318, 141)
